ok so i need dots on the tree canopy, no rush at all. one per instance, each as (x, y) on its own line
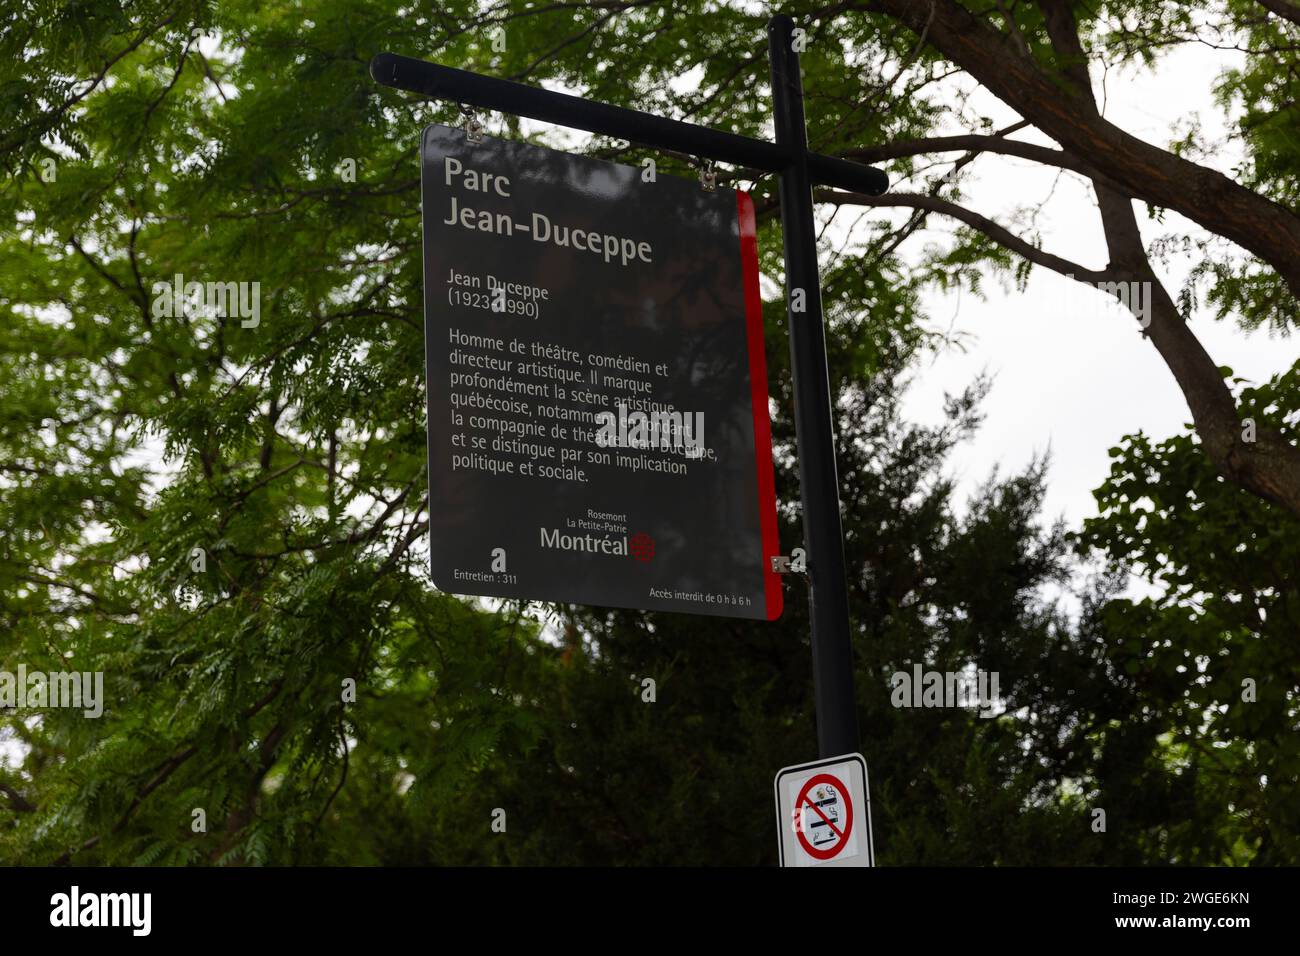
(227, 519)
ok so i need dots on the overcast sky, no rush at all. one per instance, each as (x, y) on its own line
(1071, 372)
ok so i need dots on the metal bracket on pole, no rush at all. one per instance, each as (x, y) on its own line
(709, 175)
(796, 562)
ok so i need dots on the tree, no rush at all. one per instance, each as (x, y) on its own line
(1211, 653)
(1035, 57)
(224, 513)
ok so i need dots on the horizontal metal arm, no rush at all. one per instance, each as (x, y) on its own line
(447, 83)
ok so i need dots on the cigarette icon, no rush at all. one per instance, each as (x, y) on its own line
(820, 829)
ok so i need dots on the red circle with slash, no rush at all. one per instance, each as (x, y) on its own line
(829, 852)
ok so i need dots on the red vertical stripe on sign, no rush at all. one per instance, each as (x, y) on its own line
(758, 400)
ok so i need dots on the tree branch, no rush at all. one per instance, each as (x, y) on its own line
(1270, 465)
(973, 143)
(1283, 8)
(16, 800)
(998, 233)
(1256, 223)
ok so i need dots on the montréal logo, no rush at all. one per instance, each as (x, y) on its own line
(641, 546)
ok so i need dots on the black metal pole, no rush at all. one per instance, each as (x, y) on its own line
(832, 651)
(459, 86)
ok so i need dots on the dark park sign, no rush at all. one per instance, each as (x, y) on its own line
(614, 229)
(597, 389)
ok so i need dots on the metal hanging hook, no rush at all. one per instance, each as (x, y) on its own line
(709, 175)
(472, 126)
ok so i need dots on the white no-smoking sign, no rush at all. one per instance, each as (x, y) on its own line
(823, 813)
